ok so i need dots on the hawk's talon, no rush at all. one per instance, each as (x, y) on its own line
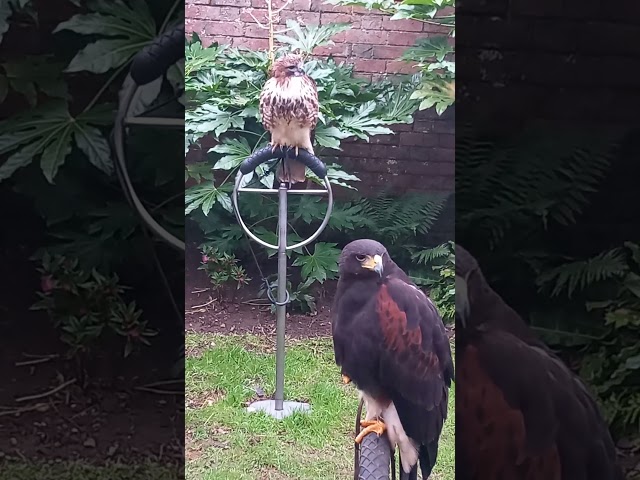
(297, 151)
(376, 426)
(345, 379)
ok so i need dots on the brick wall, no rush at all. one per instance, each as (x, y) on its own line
(419, 156)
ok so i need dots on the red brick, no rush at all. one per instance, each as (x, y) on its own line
(206, 41)
(433, 183)
(340, 50)
(303, 18)
(224, 28)
(298, 5)
(252, 43)
(384, 140)
(401, 25)
(375, 37)
(362, 51)
(255, 31)
(200, 12)
(370, 66)
(435, 29)
(447, 140)
(402, 127)
(364, 11)
(228, 14)
(386, 151)
(388, 52)
(397, 66)
(320, 6)
(423, 127)
(442, 155)
(444, 126)
(358, 150)
(231, 3)
(331, 17)
(197, 26)
(403, 38)
(418, 139)
(259, 13)
(370, 23)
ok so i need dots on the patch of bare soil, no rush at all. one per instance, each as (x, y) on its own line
(242, 311)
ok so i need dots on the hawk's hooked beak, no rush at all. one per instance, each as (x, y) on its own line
(298, 72)
(373, 263)
(462, 299)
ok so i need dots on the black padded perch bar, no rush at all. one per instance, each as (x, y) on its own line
(154, 59)
(265, 154)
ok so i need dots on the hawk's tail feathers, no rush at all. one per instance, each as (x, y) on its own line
(427, 456)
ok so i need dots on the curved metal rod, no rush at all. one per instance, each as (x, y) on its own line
(325, 221)
(121, 167)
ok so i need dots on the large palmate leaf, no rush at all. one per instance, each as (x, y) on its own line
(206, 196)
(31, 75)
(128, 27)
(362, 124)
(312, 36)
(50, 131)
(322, 264)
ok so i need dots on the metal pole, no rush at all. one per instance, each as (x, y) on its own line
(281, 309)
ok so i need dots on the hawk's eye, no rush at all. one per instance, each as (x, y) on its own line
(361, 258)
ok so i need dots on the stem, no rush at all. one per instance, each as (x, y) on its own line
(168, 17)
(270, 20)
(105, 86)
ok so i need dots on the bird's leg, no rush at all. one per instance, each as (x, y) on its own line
(345, 379)
(375, 425)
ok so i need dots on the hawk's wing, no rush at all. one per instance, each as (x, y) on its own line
(523, 415)
(415, 358)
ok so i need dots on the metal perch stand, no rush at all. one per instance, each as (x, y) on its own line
(278, 407)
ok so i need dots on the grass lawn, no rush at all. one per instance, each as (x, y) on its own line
(224, 441)
(81, 471)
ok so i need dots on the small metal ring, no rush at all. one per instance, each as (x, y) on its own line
(273, 300)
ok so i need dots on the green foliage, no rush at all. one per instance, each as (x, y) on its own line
(87, 306)
(305, 41)
(222, 268)
(440, 260)
(612, 365)
(124, 28)
(431, 55)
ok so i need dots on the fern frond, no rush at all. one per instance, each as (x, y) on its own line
(581, 274)
(537, 176)
(428, 255)
(408, 215)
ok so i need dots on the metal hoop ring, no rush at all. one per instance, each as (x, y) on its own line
(325, 221)
(128, 94)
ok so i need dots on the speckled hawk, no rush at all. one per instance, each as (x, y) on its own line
(389, 340)
(289, 109)
(521, 414)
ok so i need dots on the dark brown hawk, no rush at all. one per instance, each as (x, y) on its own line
(289, 108)
(521, 414)
(390, 341)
